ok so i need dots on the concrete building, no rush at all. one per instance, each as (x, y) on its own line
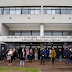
(31, 23)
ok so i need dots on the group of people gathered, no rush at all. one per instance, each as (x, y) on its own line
(24, 54)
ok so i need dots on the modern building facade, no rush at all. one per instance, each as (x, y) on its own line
(31, 23)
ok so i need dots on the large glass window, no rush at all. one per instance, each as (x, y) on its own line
(67, 33)
(6, 11)
(18, 10)
(31, 10)
(15, 33)
(57, 33)
(51, 10)
(26, 33)
(47, 33)
(1, 10)
(12, 10)
(35, 33)
(57, 10)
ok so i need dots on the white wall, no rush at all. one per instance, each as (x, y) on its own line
(36, 18)
(4, 30)
(35, 2)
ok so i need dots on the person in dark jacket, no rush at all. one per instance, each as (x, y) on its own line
(14, 54)
(38, 54)
(30, 55)
(47, 52)
(2, 54)
(42, 56)
(71, 55)
(60, 55)
(67, 55)
(22, 57)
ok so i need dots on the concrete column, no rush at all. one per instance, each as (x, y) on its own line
(41, 9)
(41, 29)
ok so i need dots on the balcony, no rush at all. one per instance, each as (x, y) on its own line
(36, 38)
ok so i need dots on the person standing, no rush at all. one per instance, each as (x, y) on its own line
(2, 54)
(36, 53)
(22, 57)
(10, 53)
(14, 54)
(42, 56)
(67, 55)
(39, 54)
(30, 55)
(27, 53)
(47, 52)
(53, 55)
(71, 55)
(60, 55)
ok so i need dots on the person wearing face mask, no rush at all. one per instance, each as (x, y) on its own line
(22, 57)
(2, 54)
(27, 53)
(42, 56)
(14, 54)
(53, 54)
(30, 55)
(36, 53)
(10, 53)
(67, 55)
(47, 52)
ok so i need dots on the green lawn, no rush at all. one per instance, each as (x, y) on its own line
(18, 69)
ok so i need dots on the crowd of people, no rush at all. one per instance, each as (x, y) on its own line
(38, 54)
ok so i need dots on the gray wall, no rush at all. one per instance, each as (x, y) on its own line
(4, 30)
(35, 2)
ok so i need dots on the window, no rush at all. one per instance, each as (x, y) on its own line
(6, 10)
(15, 33)
(57, 10)
(55, 33)
(18, 10)
(1, 10)
(26, 33)
(67, 33)
(35, 33)
(47, 33)
(31, 10)
(12, 10)
(63, 11)
(25, 10)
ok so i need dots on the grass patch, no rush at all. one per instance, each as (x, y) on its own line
(18, 69)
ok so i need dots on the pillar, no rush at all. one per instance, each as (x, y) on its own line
(42, 29)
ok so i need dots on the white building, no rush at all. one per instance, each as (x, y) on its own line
(40, 23)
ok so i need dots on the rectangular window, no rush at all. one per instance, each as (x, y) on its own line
(31, 12)
(67, 33)
(26, 33)
(12, 10)
(63, 11)
(6, 10)
(47, 33)
(55, 12)
(1, 10)
(55, 33)
(18, 10)
(35, 33)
